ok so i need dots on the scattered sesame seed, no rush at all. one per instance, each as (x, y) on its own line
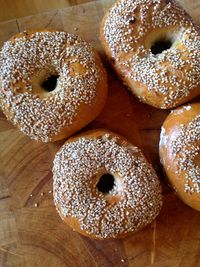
(36, 205)
(169, 76)
(75, 176)
(24, 58)
(185, 149)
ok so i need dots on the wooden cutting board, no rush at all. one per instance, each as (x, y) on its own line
(31, 232)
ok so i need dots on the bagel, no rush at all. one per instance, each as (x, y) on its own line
(52, 83)
(103, 186)
(154, 46)
(180, 152)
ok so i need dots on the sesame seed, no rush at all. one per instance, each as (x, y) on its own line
(75, 176)
(170, 75)
(24, 58)
(185, 149)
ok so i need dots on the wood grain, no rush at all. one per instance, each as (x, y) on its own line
(12, 9)
(35, 236)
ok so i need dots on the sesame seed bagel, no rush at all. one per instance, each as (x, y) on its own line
(103, 186)
(28, 61)
(154, 46)
(180, 152)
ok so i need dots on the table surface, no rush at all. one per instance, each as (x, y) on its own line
(12, 9)
(35, 236)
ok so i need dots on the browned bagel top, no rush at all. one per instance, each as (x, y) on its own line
(180, 147)
(135, 199)
(29, 58)
(129, 33)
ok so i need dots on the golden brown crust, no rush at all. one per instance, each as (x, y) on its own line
(179, 152)
(27, 59)
(127, 33)
(133, 202)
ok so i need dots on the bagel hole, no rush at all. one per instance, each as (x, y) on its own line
(106, 183)
(161, 45)
(50, 83)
